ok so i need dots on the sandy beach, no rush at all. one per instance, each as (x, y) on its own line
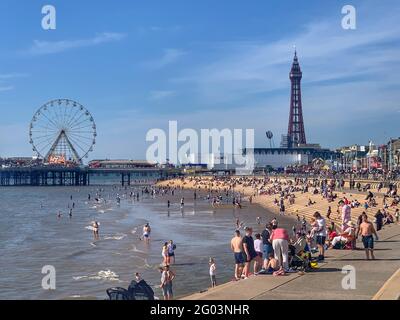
(300, 207)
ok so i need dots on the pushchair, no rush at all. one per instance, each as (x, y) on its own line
(299, 255)
(136, 291)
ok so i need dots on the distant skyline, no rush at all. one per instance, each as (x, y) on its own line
(207, 64)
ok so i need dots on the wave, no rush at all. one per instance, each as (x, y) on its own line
(118, 236)
(107, 275)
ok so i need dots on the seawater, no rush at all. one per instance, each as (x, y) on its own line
(32, 236)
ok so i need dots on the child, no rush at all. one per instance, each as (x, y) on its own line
(271, 265)
(164, 254)
(258, 245)
(213, 269)
(314, 227)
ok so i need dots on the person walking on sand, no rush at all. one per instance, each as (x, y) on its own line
(213, 272)
(237, 248)
(379, 220)
(366, 230)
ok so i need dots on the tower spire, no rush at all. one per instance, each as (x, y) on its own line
(296, 133)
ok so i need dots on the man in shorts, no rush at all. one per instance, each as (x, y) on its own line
(166, 282)
(366, 230)
(237, 248)
(248, 248)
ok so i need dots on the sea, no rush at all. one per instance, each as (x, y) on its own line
(34, 238)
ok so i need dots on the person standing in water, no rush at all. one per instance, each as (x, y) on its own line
(164, 254)
(166, 282)
(213, 271)
(95, 226)
(146, 232)
(182, 202)
(171, 252)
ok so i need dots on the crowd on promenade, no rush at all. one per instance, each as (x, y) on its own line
(278, 250)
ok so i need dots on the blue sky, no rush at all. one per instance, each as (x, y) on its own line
(207, 64)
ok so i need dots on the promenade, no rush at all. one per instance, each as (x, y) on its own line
(325, 282)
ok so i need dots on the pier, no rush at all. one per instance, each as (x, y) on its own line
(79, 176)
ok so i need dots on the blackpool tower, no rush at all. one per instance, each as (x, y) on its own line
(296, 133)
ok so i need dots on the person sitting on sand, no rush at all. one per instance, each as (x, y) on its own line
(346, 236)
(310, 202)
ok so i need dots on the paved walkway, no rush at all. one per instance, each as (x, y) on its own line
(324, 283)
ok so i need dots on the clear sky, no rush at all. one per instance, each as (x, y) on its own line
(207, 64)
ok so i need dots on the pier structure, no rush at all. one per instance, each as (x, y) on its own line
(79, 176)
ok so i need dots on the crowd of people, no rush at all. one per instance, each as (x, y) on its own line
(273, 250)
(276, 250)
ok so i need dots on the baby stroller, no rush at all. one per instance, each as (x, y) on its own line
(299, 255)
(136, 291)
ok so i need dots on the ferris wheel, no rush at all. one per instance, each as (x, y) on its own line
(62, 131)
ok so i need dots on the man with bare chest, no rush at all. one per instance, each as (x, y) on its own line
(367, 230)
(237, 248)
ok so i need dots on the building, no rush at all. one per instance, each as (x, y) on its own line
(294, 150)
(296, 133)
(390, 154)
(357, 157)
(120, 164)
(278, 158)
